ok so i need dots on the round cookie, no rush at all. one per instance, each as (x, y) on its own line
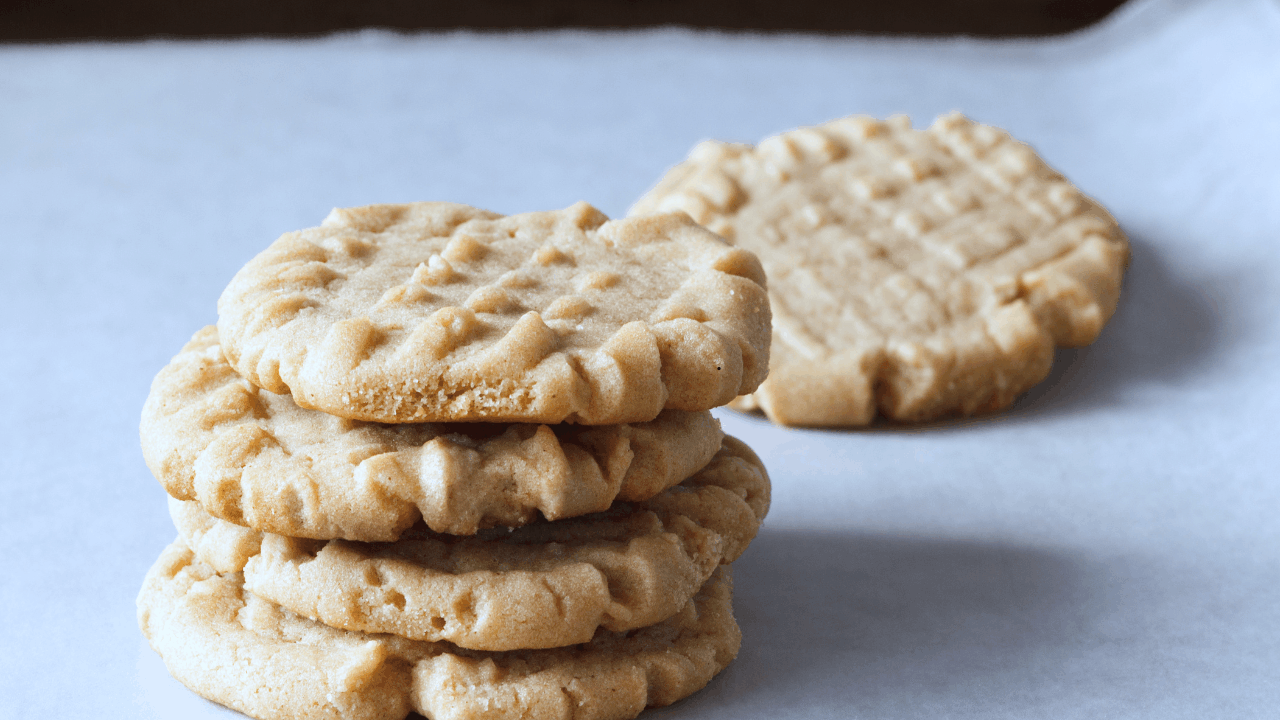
(912, 273)
(257, 459)
(436, 312)
(544, 585)
(238, 650)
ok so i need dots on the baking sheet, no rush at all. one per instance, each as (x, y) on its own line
(1108, 548)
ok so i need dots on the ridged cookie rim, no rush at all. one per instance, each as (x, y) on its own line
(209, 435)
(621, 570)
(1064, 301)
(705, 345)
(197, 621)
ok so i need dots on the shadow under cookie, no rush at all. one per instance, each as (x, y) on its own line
(1168, 326)
(870, 623)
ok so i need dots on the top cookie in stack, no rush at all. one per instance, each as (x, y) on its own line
(435, 312)
(370, 513)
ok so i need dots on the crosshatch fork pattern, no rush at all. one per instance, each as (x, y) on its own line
(441, 312)
(930, 272)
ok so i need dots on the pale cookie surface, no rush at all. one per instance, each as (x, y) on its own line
(236, 649)
(544, 585)
(439, 312)
(257, 459)
(913, 273)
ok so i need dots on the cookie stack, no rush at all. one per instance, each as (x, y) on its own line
(434, 459)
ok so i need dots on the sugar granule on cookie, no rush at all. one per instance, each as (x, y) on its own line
(914, 274)
(432, 312)
(236, 649)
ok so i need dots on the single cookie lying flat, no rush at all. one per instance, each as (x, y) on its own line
(436, 312)
(257, 459)
(540, 586)
(914, 273)
(239, 650)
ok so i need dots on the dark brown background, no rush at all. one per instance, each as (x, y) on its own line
(44, 20)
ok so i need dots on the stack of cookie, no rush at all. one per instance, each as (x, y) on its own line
(436, 459)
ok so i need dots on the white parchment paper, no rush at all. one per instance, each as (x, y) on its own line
(1108, 549)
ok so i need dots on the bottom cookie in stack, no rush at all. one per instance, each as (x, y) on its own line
(241, 651)
(458, 627)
